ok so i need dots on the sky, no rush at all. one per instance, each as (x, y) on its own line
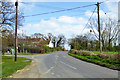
(68, 23)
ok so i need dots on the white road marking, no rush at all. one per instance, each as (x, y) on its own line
(58, 75)
(48, 71)
(64, 56)
(32, 57)
(56, 56)
(68, 65)
(52, 73)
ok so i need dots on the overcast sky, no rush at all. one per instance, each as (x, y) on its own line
(67, 22)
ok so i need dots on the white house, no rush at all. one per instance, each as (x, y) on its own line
(50, 44)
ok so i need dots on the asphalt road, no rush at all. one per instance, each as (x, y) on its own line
(61, 65)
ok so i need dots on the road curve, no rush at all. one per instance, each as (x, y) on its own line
(61, 65)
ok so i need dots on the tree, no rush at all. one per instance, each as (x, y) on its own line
(54, 41)
(60, 41)
(7, 23)
(112, 30)
(7, 13)
(5, 43)
(38, 35)
(50, 36)
(109, 31)
(79, 42)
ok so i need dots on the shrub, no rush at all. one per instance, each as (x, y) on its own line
(102, 55)
(57, 48)
(110, 56)
(73, 51)
(82, 53)
(86, 53)
(116, 56)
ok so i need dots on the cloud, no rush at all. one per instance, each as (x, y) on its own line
(113, 9)
(63, 25)
(66, 24)
(109, 10)
(95, 15)
(65, 0)
(27, 7)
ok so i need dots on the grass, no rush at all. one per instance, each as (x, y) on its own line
(9, 66)
(32, 53)
(105, 52)
(99, 61)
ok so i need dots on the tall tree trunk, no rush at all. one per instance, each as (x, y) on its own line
(109, 44)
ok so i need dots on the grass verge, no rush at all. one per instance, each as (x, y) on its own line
(9, 66)
(99, 61)
(32, 53)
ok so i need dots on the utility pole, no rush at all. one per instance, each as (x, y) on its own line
(99, 27)
(16, 4)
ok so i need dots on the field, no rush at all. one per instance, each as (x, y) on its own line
(9, 66)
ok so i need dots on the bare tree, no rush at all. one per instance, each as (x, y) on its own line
(109, 31)
(60, 41)
(7, 23)
(112, 30)
(50, 36)
(37, 35)
(7, 14)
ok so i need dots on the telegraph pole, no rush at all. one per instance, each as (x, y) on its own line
(99, 27)
(16, 4)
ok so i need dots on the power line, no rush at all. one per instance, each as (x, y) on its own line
(105, 14)
(64, 9)
(61, 10)
(47, 6)
(93, 13)
(58, 17)
(88, 20)
(94, 32)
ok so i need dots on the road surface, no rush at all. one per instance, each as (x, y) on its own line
(61, 65)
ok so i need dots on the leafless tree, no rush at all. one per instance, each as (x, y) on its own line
(109, 31)
(7, 15)
(60, 41)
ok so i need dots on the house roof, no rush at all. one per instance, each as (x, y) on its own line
(32, 39)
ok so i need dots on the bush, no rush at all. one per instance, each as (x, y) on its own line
(110, 56)
(102, 55)
(47, 49)
(116, 56)
(3, 51)
(43, 49)
(86, 53)
(82, 53)
(73, 51)
(57, 49)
